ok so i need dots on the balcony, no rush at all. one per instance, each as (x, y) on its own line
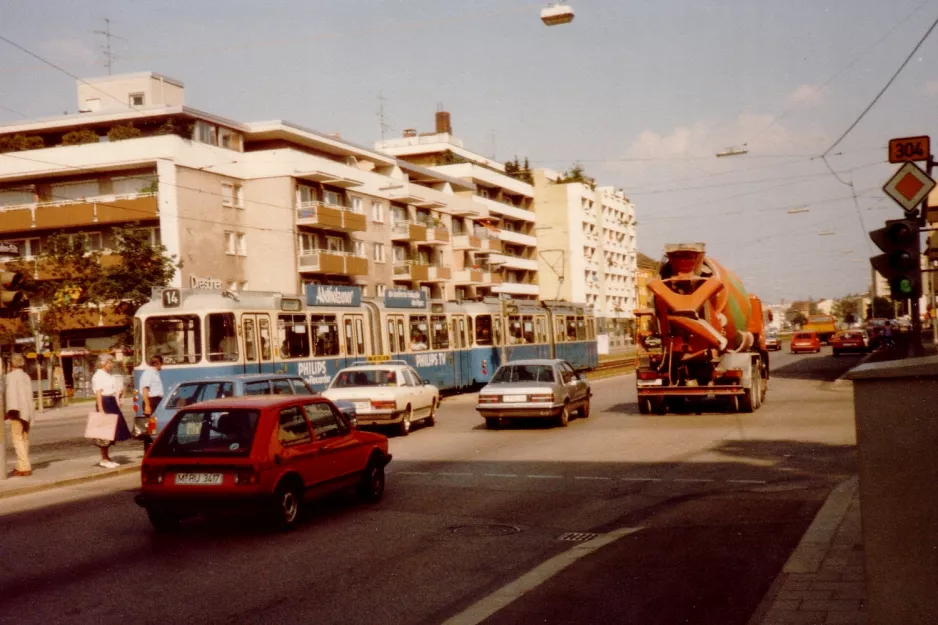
(468, 276)
(102, 209)
(492, 277)
(438, 274)
(332, 262)
(513, 262)
(517, 288)
(411, 271)
(467, 242)
(408, 231)
(436, 236)
(517, 238)
(512, 212)
(318, 214)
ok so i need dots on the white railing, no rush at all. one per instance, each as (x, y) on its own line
(112, 197)
(317, 203)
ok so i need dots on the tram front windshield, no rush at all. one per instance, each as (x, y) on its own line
(177, 338)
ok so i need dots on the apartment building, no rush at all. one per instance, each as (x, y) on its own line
(265, 206)
(586, 243)
(493, 253)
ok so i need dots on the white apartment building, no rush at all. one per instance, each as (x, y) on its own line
(265, 206)
(587, 248)
(500, 248)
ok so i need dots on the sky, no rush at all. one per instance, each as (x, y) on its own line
(643, 94)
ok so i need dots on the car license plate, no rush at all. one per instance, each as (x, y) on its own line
(514, 398)
(362, 405)
(198, 479)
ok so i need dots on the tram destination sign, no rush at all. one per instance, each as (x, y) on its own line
(403, 298)
(333, 295)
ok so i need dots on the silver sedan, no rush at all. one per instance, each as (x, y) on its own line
(534, 388)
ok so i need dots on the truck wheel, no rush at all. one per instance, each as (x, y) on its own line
(756, 392)
(644, 406)
(747, 399)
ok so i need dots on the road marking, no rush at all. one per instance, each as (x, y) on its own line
(452, 473)
(500, 474)
(747, 481)
(589, 477)
(411, 473)
(486, 607)
(691, 480)
(594, 478)
(642, 479)
(545, 477)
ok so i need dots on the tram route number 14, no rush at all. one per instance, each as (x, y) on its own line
(171, 298)
(905, 149)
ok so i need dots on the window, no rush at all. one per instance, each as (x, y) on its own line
(580, 329)
(359, 248)
(497, 323)
(326, 424)
(380, 289)
(264, 328)
(332, 198)
(560, 335)
(17, 197)
(281, 387)
(440, 333)
(349, 337)
(377, 212)
(325, 330)
(524, 373)
(75, 190)
(131, 185)
(230, 244)
(261, 387)
(411, 378)
(571, 328)
(178, 339)
(483, 330)
(206, 133)
(135, 99)
(293, 427)
(357, 205)
(229, 139)
(567, 373)
(250, 346)
(335, 244)
(307, 194)
(418, 333)
(232, 195)
(541, 330)
(209, 433)
(300, 387)
(294, 336)
(360, 335)
(222, 336)
(28, 248)
(392, 338)
(236, 243)
(350, 378)
(306, 241)
(379, 252)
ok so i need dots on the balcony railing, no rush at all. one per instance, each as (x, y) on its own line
(436, 236)
(332, 262)
(99, 209)
(411, 270)
(468, 276)
(330, 217)
(408, 231)
(438, 274)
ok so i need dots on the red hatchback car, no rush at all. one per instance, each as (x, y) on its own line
(265, 453)
(805, 342)
(844, 342)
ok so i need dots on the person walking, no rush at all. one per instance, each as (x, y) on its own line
(105, 391)
(19, 407)
(151, 385)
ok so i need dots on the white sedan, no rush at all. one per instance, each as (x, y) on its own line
(386, 394)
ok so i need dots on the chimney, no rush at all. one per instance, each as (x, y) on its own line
(443, 125)
(410, 132)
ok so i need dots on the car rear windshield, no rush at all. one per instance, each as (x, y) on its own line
(191, 392)
(803, 335)
(208, 433)
(524, 373)
(368, 377)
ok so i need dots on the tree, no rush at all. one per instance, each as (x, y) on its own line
(19, 143)
(798, 319)
(123, 131)
(577, 174)
(179, 128)
(847, 308)
(78, 137)
(881, 307)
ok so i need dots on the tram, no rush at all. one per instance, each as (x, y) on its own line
(453, 345)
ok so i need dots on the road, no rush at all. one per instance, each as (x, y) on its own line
(695, 515)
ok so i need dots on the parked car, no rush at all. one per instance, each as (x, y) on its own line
(257, 454)
(772, 343)
(805, 342)
(534, 388)
(389, 393)
(849, 341)
(192, 391)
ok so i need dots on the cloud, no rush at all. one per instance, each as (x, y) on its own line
(807, 96)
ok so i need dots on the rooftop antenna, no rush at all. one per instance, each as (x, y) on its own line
(382, 119)
(108, 35)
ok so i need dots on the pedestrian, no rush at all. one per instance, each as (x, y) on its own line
(105, 391)
(19, 406)
(151, 385)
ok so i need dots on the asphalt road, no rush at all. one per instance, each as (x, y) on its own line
(694, 517)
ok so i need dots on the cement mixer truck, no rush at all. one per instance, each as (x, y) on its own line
(702, 338)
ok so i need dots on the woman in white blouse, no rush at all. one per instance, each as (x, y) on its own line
(106, 393)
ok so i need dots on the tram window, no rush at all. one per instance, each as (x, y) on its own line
(462, 332)
(138, 343)
(497, 322)
(360, 335)
(468, 326)
(571, 328)
(560, 335)
(294, 336)
(349, 338)
(419, 340)
(263, 324)
(527, 329)
(326, 331)
(541, 330)
(178, 339)
(484, 330)
(440, 333)
(515, 334)
(590, 333)
(580, 329)
(250, 348)
(402, 343)
(392, 338)
(222, 337)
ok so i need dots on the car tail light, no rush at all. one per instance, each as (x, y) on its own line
(151, 475)
(383, 405)
(246, 477)
(647, 375)
(489, 399)
(545, 397)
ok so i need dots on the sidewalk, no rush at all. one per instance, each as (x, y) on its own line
(824, 580)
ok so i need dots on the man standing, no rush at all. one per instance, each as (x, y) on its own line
(19, 398)
(152, 387)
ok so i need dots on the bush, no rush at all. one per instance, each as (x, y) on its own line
(121, 132)
(18, 143)
(78, 137)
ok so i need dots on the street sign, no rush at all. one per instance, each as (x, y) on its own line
(909, 186)
(907, 149)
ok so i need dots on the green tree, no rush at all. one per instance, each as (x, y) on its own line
(881, 307)
(798, 319)
(78, 137)
(123, 131)
(19, 143)
(179, 128)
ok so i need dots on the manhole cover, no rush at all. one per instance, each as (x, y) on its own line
(577, 536)
(484, 530)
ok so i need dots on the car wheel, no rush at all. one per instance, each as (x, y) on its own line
(285, 510)
(431, 418)
(164, 520)
(564, 419)
(371, 487)
(491, 423)
(585, 409)
(404, 427)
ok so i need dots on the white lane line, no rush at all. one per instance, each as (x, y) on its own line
(641, 479)
(678, 479)
(545, 477)
(747, 481)
(500, 474)
(589, 477)
(486, 607)
(412, 473)
(453, 473)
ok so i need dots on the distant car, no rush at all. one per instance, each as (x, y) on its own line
(805, 342)
(772, 343)
(386, 393)
(534, 388)
(849, 341)
(192, 391)
(257, 454)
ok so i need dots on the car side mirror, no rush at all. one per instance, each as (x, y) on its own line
(353, 421)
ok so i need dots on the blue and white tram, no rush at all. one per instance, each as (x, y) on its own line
(452, 345)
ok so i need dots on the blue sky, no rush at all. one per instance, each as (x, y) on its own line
(642, 93)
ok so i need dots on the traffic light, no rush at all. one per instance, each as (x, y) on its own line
(10, 299)
(900, 265)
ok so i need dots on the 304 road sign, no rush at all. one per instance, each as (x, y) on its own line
(907, 149)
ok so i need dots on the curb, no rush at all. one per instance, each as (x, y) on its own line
(814, 545)
(71, 481)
